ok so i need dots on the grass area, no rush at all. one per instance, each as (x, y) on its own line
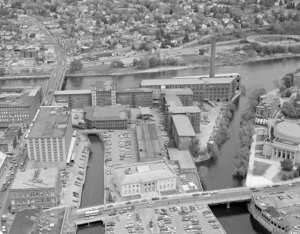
(259, 168)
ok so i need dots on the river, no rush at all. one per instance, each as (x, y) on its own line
(254, 75)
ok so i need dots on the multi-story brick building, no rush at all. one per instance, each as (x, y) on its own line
(267, 107)
(74, 98)
(19, 105)
(35, 188)
(222, 88)
(182, 131)
(105, 93)
(192, 112)
(135, 97)
(49, 138)
(10, 139)
(107, 117)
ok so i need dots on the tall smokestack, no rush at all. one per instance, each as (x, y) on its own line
(212, 57)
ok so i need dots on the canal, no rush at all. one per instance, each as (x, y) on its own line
(254, 75)
(93, 190)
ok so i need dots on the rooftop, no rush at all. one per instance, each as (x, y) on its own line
(148, 142)
(18, 96)
(50, 122)
(268, 99)
(183, 157)
(68, 92)
(36, 179)
(172, 100)
(184, 109)
(135, 90)
(186, 81)
(280, 206)
(97, 113)
(143, 172)
(288, 130)
(183, 125)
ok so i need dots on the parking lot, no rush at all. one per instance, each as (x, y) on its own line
(73, 176)
(187, 218)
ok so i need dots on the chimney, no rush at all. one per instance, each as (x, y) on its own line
(212, 57)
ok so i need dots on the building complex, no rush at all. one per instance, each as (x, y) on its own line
(221, 88)
(105, 93)
(278, 212)
(107, 117)
(35, 188)
(268, 106)
(19, 104)
(284, 140)
(141, 179)
(49, 137)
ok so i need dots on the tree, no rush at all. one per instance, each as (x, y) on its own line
(194, 147)
(255, 98)
(286, 165)
(186, 38)
(241, 163)
(116, 63)
(288, 109)
(201, 51)
(75, 65)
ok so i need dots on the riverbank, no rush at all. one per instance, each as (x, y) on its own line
(130, 70)
(108, 71)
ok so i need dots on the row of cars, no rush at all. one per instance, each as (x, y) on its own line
(124, 142)
(212, 222)
(164, 222)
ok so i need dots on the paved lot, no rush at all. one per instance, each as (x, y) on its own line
(184, 218)
(70, 174)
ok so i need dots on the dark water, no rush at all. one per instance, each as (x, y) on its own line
(237, 220)
(93, 190)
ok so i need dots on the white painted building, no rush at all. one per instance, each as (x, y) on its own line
(144, 178)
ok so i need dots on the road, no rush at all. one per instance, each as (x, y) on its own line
(206, 198)
(59, 70)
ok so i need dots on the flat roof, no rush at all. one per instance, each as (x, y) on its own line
(183, 157)
(184, 109)
(186, 81)
(68, 92)
(51, 122)
(24, 221)
(220, 75)
(35, 179)
(280, 206)
(173, 100)
(23, 96)
(135, 90)
(136, 173)
(183, 125)
(98, 113)
(148, 141)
